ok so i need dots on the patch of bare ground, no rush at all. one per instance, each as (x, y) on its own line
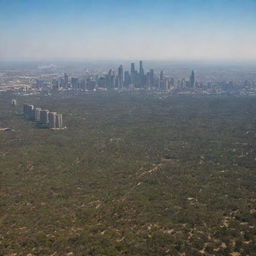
(222, 246)
(168, 231)
(226, 221)
(119, 240)
(96, 204)
(235, 253)
(154, 169)
(203, 250)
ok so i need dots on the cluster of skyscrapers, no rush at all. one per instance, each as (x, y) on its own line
(121, 79)
(44, 117)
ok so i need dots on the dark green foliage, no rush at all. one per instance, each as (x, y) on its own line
(134, 174)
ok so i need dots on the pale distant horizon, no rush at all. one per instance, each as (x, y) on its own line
(81, 30)
(121, 61)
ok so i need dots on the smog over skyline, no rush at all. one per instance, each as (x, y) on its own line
(114, 29)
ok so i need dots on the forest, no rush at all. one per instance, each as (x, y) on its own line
(134, 173)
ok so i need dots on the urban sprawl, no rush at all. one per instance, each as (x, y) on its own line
(50, 79)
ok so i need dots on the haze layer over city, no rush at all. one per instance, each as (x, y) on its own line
(127, 127)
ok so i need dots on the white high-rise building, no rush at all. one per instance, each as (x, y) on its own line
(52, 119)
(59, 121)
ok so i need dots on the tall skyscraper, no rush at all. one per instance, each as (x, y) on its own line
(127, 79)
(162, 75)
(75, 83)
(62, 82)
(192, 79)
(183, 83)
(82, 85)
(172, 81)
(65, 80)
(147, 83)
(120, 77)
(110, 83)
(55, 84)
(132, 68)
(133, 74)
(151, 77)
(141, 76)
(141, 69)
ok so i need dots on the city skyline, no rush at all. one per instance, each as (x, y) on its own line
(160, 30)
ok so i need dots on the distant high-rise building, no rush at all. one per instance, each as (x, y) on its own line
(44, 116)
(14, 102)
(101, 82)
(39, 83)
(59, 121)
(127, 79)
(172, 81)
(162, 75)
(55, 84)
(192, 79)
(133, 74)
(132, 68)
(52, 119)
(120, 77)
(25, 108)
(148, 86)
(162, 84)
(151, 77)
(110, 83)
(65, 80)
(83, 85)
(37, 114)
(91, 84)
(116, 82)
(166, 85)
(74, 83)
(141, 76)
(61, 82)
(28, 111)
(183, 83)
(141, 69)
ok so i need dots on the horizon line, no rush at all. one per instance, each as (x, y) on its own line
(236, 60)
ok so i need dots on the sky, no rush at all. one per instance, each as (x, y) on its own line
(127, 29)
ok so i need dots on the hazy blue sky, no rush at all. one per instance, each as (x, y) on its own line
(127, 29)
